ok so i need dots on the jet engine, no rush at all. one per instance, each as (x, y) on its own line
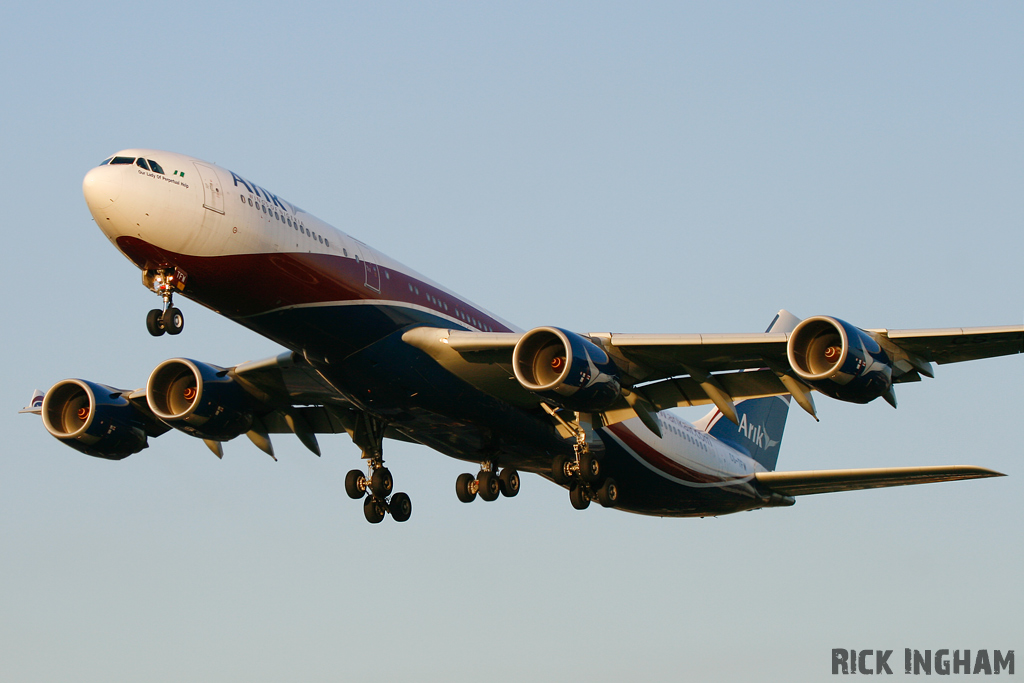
(567, 369)
(839, 360)
(93, 419)
(199, 399)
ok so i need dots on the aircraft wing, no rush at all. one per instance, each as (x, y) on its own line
(953, 345)
(675, 370)
(290, 398)
(827, 481)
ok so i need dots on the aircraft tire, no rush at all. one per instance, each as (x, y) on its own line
(153, 324)
(509, 481)
(558, 469)
(381, 482)
(373, 510)
(490, 486)
(608, 494)
(352, 488)
(401, 507)
(173, 321)
(462, 490)
(578, 498)
(590, 468)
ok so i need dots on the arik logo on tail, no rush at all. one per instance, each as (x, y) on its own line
(756, 434)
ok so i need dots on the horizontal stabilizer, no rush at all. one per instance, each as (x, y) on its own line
(827, 481)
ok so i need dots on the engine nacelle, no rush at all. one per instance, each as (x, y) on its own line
(567, 369)
(199, 399)
(839, 360)
(93, 419)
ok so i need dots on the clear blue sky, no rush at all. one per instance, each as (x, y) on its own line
(656, 168)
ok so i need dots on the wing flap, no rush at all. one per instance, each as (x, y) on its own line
(682, 392)
(808, 482)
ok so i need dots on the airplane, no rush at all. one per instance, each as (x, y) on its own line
(378, 351)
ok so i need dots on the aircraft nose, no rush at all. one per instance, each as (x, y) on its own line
(101, 187)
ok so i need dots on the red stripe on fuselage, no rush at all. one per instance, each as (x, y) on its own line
(663, 463)
(242, 285)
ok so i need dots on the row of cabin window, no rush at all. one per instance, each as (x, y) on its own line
(441, 304)
(147, 164)
(284, 218)
(686, 435)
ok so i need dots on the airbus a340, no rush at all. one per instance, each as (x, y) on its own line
(378, 351)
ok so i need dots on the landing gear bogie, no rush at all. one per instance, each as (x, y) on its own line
(377, 484)
(489, 484)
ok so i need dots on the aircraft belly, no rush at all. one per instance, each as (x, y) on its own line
(652, 486)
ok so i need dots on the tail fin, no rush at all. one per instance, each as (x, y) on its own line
(761, 420)
(34, 406)
(759, 433)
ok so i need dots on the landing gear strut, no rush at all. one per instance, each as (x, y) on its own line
(583, 472)
(168, 319)
(377, 484)
(488, 484)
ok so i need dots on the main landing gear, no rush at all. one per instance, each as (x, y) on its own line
(376, 489)
(168, 319)
(488, 484)
(584, 473)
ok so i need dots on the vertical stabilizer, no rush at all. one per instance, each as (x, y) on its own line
(759, 433)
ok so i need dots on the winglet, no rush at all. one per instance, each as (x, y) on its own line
(35, 406)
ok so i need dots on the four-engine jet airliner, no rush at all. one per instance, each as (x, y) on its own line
(378, 351)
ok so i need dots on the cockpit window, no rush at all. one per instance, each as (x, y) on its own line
(156, 168)
(122, 161)
(106, 161)
(141, 163)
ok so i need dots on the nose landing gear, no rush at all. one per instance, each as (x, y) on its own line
(168, 319)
